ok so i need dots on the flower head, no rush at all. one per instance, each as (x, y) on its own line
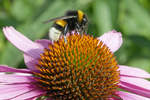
(83, 68)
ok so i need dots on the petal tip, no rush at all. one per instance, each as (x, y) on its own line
(112, 39)
(7, 28)
(114, 31)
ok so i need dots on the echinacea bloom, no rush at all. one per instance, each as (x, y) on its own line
(84, 68)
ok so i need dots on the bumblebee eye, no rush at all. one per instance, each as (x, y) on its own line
(84, 22)
(84, 19)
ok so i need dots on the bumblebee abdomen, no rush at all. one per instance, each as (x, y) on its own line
(61, 22)
(54, 33)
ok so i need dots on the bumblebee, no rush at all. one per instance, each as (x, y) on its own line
(73, 20)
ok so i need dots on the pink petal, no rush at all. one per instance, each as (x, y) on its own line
(12, 78)
(44, 42)
(133, 72)
(143, 83)
(14, 90)
(136, 85)
(30, 61)
(4, 68)
(112, 39)
(21, 42)
(13, 87)
(29, 94)
(130, 96)
(34, 98)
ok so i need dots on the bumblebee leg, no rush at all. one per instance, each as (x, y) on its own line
(65, 32)
(85, 28)
(77, 29)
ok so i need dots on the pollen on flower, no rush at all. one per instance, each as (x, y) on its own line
(81, 69)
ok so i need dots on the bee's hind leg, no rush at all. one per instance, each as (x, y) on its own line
(66, 29)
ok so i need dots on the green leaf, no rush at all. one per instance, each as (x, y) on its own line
(10, 56)
(1, 41)
(102, 15)
(21, 10)
(142, 63)
(140, 41)
(134, 19)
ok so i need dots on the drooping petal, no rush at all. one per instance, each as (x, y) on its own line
(13, 87)
(130, 96)
(30, 61)
(13, 78)
(44, 43)
(15, 90)
(143, 83)
(21, 42)
(112, 39)
(135, 85)
(34, 98)
(133, 72)
(4, 68)
(29, 94)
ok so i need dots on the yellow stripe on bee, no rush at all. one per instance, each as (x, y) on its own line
(61, 22)
(80, 15)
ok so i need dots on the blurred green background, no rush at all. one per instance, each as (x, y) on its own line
(131, 17)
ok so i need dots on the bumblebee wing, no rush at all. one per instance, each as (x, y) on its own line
(62, 17)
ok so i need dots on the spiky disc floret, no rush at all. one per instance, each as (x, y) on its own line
(81, 69)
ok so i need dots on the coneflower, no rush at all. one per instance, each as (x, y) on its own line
(84, 68)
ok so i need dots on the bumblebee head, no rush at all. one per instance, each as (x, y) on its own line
(82, 18)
